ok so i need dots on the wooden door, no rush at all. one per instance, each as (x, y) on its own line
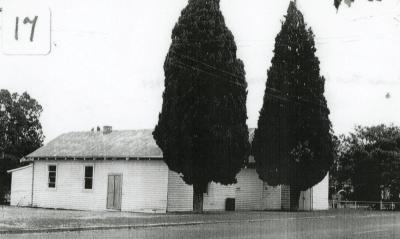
(114, 192)
(305, 200)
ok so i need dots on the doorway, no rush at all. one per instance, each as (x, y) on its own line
(114, 192)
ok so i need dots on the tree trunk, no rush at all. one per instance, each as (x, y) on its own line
(294, 198)
(198, 191)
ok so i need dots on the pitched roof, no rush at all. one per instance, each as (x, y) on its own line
(117, 144)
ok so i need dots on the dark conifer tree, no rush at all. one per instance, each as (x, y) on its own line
(293, 142)
(202, 127)
(20, 133)
(337, 3)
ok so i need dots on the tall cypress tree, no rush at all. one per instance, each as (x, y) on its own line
(202, 127)
(293, 142)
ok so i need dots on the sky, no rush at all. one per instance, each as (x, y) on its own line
(105, 66)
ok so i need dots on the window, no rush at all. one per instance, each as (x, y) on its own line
(88, 177)
(52, 176)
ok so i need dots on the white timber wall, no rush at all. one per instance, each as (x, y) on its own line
(180, 195)
(21, 186)
(320, 194)
(248, 190)
(215, 198)
(148, 186)
(315, 198)
(272, 198)
(144, 185)
(249, 194)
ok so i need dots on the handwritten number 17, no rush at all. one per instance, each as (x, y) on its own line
(26, 20)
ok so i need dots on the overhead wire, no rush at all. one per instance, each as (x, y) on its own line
(282, 96)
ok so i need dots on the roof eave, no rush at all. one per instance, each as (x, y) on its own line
(25, 159)
(94, 158)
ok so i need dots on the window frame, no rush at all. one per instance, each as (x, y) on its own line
(48, 176)
(84, 178)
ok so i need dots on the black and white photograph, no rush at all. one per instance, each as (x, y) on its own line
(185, 119)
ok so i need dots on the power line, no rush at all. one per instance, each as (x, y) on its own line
(207, 65)
(299, 100)
(207, 72)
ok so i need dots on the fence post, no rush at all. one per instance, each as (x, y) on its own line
(355, 204)
(381, 205)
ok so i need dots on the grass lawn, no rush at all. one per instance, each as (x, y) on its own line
(20, 219)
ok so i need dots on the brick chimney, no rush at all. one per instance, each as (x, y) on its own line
(107, 129)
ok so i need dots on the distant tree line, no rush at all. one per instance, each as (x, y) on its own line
(367, 166)
(20, 133)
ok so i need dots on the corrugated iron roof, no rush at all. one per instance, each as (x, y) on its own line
(124, 144)
(117, 144)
